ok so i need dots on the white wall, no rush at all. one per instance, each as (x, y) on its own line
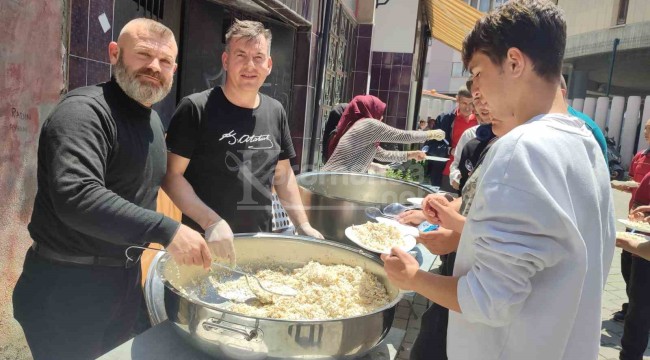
(589, 15)
(624, 118)
(439, 59)
(394, 29)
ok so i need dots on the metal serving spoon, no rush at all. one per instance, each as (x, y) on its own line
(281, 289)
(374, 213)
(395, 209)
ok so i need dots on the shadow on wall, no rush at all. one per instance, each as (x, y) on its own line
(30, 85)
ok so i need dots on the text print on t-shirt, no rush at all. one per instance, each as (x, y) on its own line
(256, 142)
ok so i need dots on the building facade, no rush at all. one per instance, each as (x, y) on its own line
(444, 67)
(614, 90)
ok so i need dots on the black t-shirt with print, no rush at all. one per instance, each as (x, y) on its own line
(233, 153)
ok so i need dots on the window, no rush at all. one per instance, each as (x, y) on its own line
(457, 70)
(426, 70)
(155, 8)
(621, 19)
(484, 5)
(498, 3)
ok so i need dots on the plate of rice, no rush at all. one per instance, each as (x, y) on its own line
(380, 237)
(629, 183)
(641, 226)
(630, 236)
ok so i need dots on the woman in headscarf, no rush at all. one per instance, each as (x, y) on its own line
(359, 132)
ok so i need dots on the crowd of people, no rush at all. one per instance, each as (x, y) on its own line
(527, 245)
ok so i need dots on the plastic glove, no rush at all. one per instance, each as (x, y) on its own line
(306, 229)
(220, 241)
(436, 134)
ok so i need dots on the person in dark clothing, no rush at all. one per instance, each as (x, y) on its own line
(101, 158)
(474, 151)
(330, 127)
(636, 269)
(639, 168)
(453, 124)
(637, 280)
(228, 146)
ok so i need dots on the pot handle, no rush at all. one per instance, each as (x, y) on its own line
(214, 323)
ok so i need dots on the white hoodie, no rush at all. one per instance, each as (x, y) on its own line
(536, 248)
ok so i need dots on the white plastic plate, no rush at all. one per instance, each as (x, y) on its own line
(623, 234)
(409, 242)
(436, 158)
(630, 184)
(636, 225)
(404, 229)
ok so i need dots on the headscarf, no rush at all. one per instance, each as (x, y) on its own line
(361, 107)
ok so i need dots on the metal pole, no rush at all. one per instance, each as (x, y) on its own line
(320, 79)
(611, 65)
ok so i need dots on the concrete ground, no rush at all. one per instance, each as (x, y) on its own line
(613, 298)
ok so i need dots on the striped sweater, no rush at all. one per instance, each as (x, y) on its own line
(358, 147)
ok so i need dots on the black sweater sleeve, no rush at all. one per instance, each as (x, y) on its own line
(79, 141)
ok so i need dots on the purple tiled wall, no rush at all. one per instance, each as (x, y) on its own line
(390, 80)
(304, 83)
(88, 61)
(362, 60)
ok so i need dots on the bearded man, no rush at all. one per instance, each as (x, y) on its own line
(101, 159)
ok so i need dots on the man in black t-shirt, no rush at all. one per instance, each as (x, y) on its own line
(229, 145)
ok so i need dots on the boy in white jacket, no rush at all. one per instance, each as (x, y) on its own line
(538, 241)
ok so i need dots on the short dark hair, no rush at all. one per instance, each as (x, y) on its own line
(468, 85)
(536, 27)
(247, 29)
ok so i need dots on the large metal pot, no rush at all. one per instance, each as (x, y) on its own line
(335, 200)
(208, 326)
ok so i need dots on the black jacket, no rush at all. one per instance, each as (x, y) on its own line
(445, 123)
(330, 125)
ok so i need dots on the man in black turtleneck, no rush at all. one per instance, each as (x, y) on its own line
(101, 159)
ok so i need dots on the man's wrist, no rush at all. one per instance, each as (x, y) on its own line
(420, 279)
(211, 222)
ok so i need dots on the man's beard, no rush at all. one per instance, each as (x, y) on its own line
(143, 93)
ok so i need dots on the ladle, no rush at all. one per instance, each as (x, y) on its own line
(395, 209)
(374, 213)
(286, 290)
